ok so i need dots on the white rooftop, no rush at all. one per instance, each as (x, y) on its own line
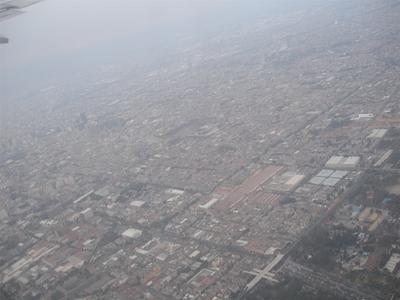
(137, 203)
(132, 233)
(338, 162)
(377, 133)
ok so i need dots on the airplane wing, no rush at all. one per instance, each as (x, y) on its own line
(10, 9)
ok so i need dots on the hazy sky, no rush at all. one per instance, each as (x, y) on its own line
(56, 38)
(56, 27)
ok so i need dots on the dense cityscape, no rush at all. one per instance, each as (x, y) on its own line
(263, 164)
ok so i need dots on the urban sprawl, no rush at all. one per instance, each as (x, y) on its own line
(264, 159)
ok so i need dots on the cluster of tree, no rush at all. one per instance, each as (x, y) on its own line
(9, 290)
(373, 189)
(291, 289)
(383, 282)
(321, 247)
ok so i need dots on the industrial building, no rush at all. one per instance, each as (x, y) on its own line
(343, 162)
